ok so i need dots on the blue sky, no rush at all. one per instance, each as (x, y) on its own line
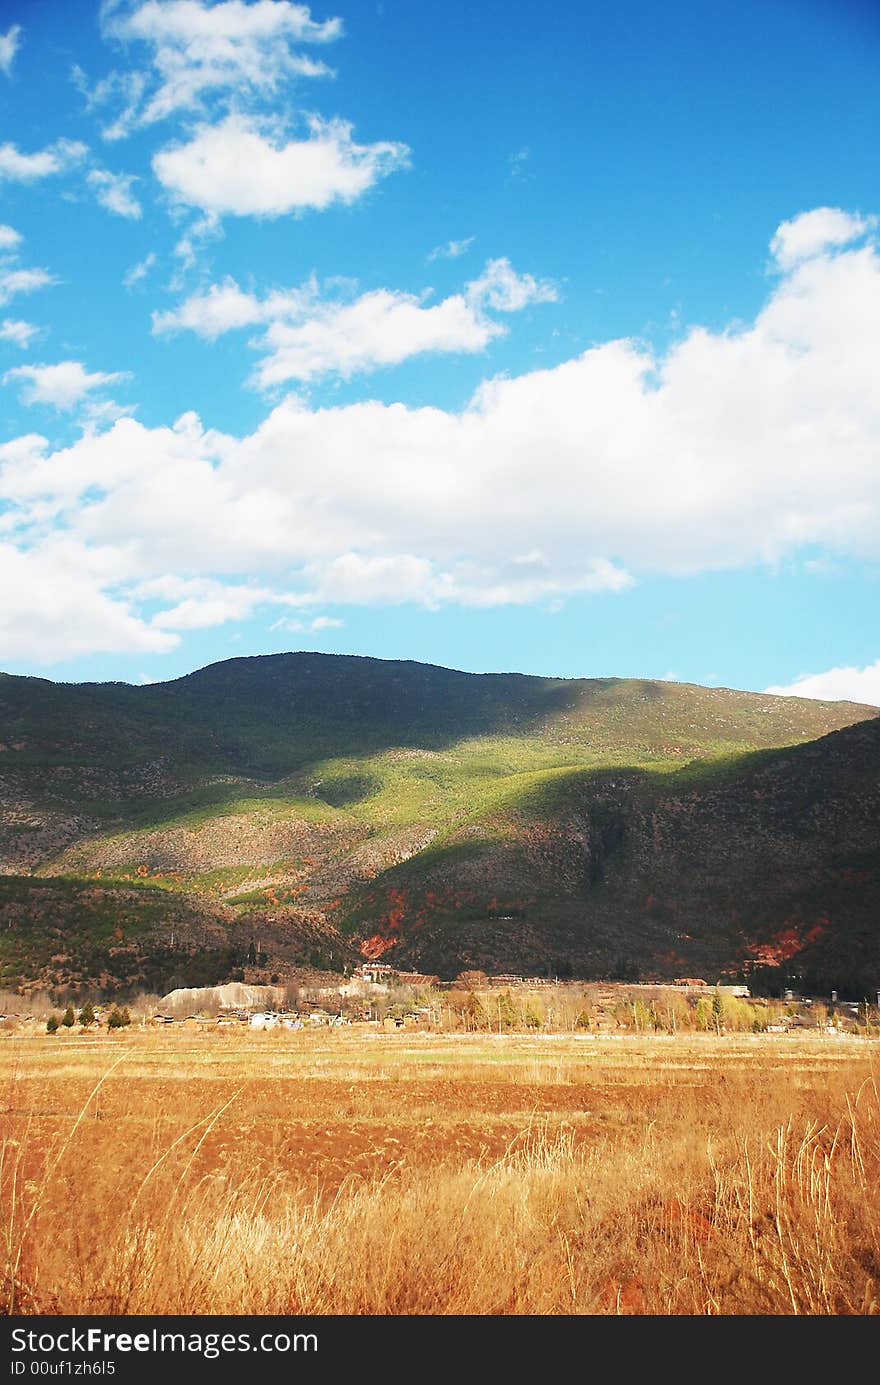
(486, 336)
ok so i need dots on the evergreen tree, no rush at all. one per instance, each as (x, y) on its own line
(507, 1016)
(531, 1018)
(68, 1019)
(474, 1013)
(52, 1024)
(87, 1015)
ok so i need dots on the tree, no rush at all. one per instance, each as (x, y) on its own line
(87, 1015)
(717, 1011)
(530, 1016)
(68, 1019)
(507, 1016)
(475, 1015)
(642, 1017)
(52, 1024)
(471, 980)
(118, 1019)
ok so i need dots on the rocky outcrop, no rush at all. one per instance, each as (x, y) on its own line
(233, 995)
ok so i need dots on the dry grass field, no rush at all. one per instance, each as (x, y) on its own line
(351, 1173)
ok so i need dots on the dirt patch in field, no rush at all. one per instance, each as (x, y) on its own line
(322, 1111)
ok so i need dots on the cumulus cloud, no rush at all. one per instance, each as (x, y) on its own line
(814, 232)
(221, 308)
(244, 166)
(308, 336)
(730, 448)
(837, 685)
(358, 579)
(18, 332)
(27, 168)
(198, 51)
(113, 191)
(10, 239)
(205, 603)
(56, 605)
(10, 43)
(62, 386)
(379, 329)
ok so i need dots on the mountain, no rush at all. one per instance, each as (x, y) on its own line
(766, 867)
(314, 808)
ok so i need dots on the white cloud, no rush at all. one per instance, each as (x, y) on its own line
(13, 278)
(24, 167)
(312, 626)
(97, 413)
(501, 288)
(27, 168)
(18, 332)
(56, 606)
(379, 329)
(358, 580)
(199, 612)
(731, 448)
(516, 163)
(308, 336)
(13, 281)
(221, 308)
(247, 167)
(198, 51)
(10, 43)
(186, 250)
(62, 386)
(814, 232)
(836, 685)
(363, 580)
(113, 191)
(451, 250)
(139, 271)
(125, 90)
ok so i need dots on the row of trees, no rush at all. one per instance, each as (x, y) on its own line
(472, 1007)
(117, 1018)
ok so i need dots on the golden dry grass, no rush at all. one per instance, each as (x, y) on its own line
(339, 1173)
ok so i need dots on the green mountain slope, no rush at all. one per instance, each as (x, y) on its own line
(764, 867)
(440, 816)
